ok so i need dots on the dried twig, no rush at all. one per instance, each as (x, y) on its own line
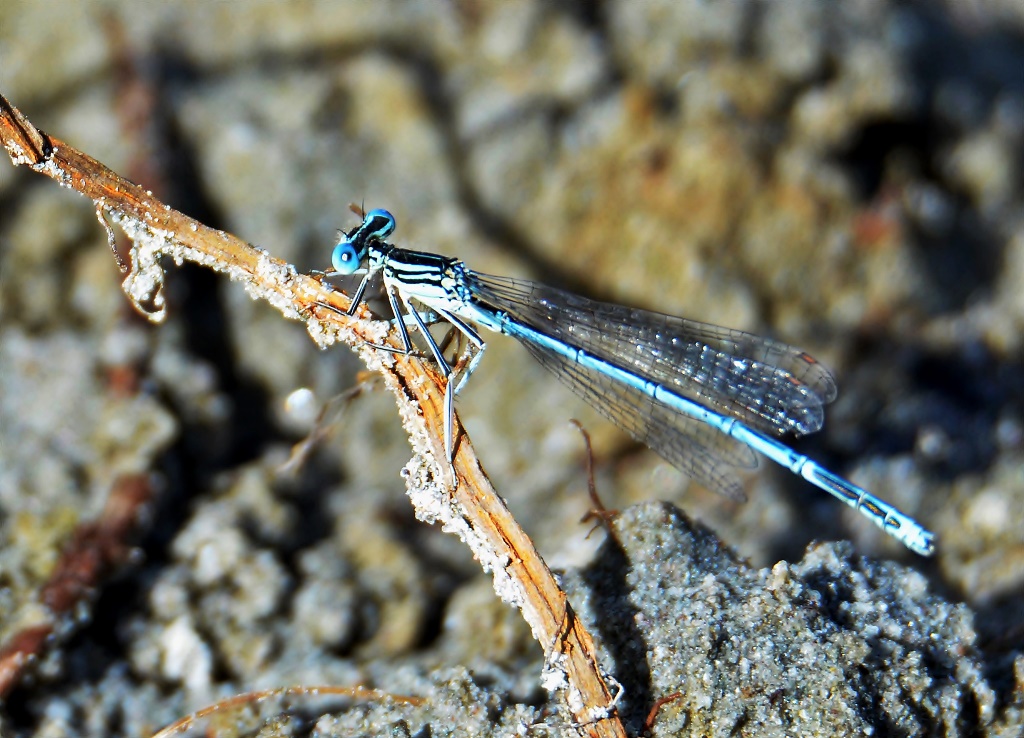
(252, 700)
(472, 510)
(659, 703)
(96, 549)
(597, 509)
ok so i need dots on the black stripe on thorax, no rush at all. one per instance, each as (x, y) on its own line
(417, 267)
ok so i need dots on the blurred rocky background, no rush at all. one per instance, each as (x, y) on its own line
(846, 177)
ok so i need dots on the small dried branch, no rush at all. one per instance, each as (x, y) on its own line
(258, 700)
(95, 550)
(470, 509)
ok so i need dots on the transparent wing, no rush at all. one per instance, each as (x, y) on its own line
(766, 384)
(693, 447)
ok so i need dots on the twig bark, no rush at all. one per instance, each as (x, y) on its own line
(471, 508)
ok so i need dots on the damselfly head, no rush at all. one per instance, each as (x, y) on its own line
(377, 224)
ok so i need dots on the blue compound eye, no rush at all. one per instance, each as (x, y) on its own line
(378, 223)
(345, 258)
(347, 255)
